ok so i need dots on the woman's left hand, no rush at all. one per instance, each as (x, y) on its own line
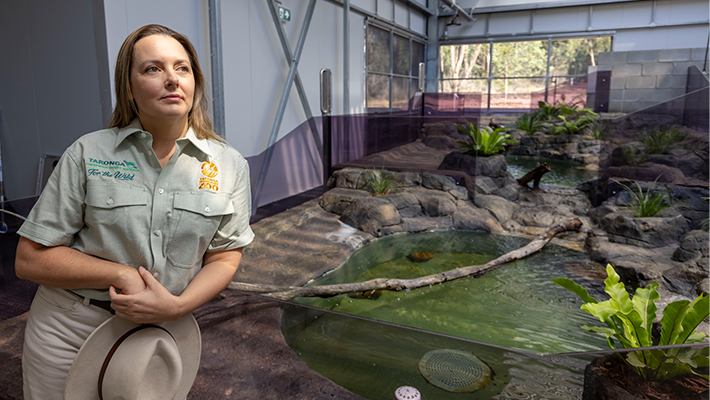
(154, 304)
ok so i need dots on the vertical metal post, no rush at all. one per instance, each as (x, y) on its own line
(490, 74)
(282, 105)
(346, 57)
(216, 67)
(325, 109)
(432, 50)
(547, 74)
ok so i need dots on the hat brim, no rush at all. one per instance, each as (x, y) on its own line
(83, 377)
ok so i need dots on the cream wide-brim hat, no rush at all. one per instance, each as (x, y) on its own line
(124, 360)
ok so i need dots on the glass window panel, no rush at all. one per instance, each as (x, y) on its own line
(378, 50)
(418, 56)
(378, 91)
(400, 92)
(568, 90)
(465, 61)
(465, 86)
(414, 87)
(574, 56)
(517, 93)
(518, 59)
(401, 55)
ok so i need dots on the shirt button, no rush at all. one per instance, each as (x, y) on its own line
(109, 201)
(161, 190)
(157, 232)
(207, 209)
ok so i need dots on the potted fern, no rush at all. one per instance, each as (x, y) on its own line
(629, 322)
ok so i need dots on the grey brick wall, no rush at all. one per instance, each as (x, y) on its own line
(641, 79)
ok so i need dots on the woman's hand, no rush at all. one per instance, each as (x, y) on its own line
(151, 304)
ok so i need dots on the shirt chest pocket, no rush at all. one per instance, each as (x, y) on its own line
(115, 214)
(107, 206)
(197, 217)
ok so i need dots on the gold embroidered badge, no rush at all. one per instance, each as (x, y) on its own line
(209, 170)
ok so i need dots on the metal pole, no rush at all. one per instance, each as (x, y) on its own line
(326, 108)
(346, 57)
(299, 85)
(216, 66)
(282, 106)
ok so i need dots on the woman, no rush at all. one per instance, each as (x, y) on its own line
(146, 219)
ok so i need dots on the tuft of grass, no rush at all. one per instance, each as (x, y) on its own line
(378, 183)
(658, 140)
(529, 123)
(600, 129)
(484, 142)
(633, 156)
(646, 204)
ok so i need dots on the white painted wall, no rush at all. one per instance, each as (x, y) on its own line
(188, 17)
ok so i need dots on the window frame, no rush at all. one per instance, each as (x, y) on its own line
(411, 75)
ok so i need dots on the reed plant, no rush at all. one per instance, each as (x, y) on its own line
(646, 204)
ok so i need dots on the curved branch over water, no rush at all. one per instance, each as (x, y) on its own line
(289, 292)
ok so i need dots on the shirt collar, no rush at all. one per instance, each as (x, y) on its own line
(135, 127)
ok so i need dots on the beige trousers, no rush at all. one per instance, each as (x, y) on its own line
(58, 324)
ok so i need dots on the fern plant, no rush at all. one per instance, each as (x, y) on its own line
(529, 123)
(572, 127)
(630, 321)
(484, 142)
(547, 111)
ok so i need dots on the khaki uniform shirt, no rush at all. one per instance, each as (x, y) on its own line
(109, 197)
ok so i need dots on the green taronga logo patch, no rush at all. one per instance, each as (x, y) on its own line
(122, 165)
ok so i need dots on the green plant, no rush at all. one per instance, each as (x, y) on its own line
(547, 111)
(572, 127)
(484, 142)
(633, 156)
(658, 140)
(378, 183)
(630, 321)
(645, 204)
(600, 129)
(529, 123)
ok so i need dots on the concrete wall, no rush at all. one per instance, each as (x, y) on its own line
(641, 79)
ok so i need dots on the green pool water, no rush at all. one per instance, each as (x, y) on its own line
(514, 306)
(508, 318)
(563, 173)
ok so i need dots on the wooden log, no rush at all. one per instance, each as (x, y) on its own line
(535, 175)
(289, 292)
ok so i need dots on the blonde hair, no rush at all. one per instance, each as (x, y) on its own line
(126, 111)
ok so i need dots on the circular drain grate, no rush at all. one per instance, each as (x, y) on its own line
(454, 370)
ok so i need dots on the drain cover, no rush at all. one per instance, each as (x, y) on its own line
(407, 393)
(454, 370)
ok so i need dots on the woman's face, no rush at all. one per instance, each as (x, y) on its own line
(162, 80)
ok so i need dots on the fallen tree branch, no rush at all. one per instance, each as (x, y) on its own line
(289, 292)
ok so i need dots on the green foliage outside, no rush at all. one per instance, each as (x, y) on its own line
(483, 142)
(645, 204)
(529, 123)
(658, 140)
(630, 321)
(519, 59)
